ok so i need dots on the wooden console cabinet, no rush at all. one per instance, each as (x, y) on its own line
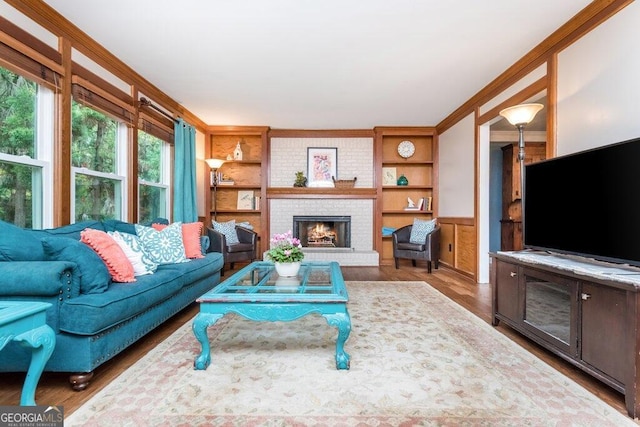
(589, 321)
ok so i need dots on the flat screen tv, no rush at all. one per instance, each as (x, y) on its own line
(587, 203)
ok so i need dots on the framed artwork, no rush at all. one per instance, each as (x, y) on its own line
(389, 176)
(322, 165)
(245, 200)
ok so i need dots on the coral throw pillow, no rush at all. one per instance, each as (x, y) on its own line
(119, 266)
(191, 233)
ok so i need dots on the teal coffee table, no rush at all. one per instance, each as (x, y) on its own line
(25, 323)
(257, 293)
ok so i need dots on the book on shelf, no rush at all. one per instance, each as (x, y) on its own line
(427, 203)
(256, 203)
(221, 179)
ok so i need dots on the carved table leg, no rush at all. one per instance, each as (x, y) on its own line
(42, 340)
(343, 322)
(199, 327)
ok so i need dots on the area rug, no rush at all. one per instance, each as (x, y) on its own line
(417, 358)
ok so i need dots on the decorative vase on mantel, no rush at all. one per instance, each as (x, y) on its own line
(287, 269)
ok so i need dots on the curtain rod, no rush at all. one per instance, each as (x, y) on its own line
(144, 102)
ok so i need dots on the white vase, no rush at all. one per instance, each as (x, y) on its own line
(287, 269)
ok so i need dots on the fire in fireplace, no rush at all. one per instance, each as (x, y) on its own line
(323, 231)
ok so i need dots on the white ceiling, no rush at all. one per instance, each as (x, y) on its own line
(323, 64)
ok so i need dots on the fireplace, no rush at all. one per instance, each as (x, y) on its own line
(323, 231)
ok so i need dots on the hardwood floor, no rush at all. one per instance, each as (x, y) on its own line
(53, 388)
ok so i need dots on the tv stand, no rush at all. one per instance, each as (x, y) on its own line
(585, 311)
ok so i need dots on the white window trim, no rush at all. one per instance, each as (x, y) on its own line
(120, 183)
(45, 129)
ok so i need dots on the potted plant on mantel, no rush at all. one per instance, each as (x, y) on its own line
(286, 253)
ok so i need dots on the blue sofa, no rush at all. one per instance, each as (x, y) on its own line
(93, 321)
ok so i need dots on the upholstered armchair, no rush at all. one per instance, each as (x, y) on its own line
(428, 250)
(244, 250)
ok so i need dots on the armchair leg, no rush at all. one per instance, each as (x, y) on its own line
(428, 266)
(396, 260)
(413, 262)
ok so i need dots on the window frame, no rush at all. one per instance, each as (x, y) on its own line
(119, 176)
(165, 176)
(41, 164)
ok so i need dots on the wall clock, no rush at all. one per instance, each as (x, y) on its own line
(406, 149)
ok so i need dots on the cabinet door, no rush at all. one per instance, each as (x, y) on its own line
(605, 329)
(551, 309)
(506, 291)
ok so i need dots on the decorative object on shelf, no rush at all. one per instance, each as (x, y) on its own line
(322, 164)
(389, 176)
(406, 149)
(285, 249)
(301, 180)
(229, 156)
(520, 116)
(237, 153)
(215, 164)
(403, 180)
(411, 205)
(344, 183)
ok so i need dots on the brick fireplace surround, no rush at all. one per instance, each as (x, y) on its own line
(355, 159)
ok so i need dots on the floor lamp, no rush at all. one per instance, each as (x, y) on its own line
(520, 116)
(215, 164)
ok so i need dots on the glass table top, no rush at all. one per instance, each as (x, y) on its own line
(259, 281)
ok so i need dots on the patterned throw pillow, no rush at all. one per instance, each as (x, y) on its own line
(135, 258)
(135, 245)
(163, 247)
(420, 230)
(191, 232)
(228, 229)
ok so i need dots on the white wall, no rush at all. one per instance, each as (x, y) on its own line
(289, 155)
(456, 177)
(599, 85)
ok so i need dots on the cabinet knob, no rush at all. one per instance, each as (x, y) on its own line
(585, 296)
(513, 274)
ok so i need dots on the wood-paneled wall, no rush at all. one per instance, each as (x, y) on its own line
(458, 244)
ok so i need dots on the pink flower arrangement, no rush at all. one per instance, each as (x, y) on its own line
(285, 248)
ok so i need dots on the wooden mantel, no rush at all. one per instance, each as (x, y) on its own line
(323, 193)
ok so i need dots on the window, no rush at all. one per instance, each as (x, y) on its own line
(98, 150)
(153, 200)
(26, 132)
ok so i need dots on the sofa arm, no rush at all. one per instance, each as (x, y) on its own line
(39, 278)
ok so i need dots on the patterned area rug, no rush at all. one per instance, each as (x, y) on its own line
(417, 358)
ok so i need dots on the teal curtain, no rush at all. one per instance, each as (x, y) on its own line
(184, 188)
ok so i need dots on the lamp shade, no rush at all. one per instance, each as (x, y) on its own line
(214, 163)
(521, 114)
